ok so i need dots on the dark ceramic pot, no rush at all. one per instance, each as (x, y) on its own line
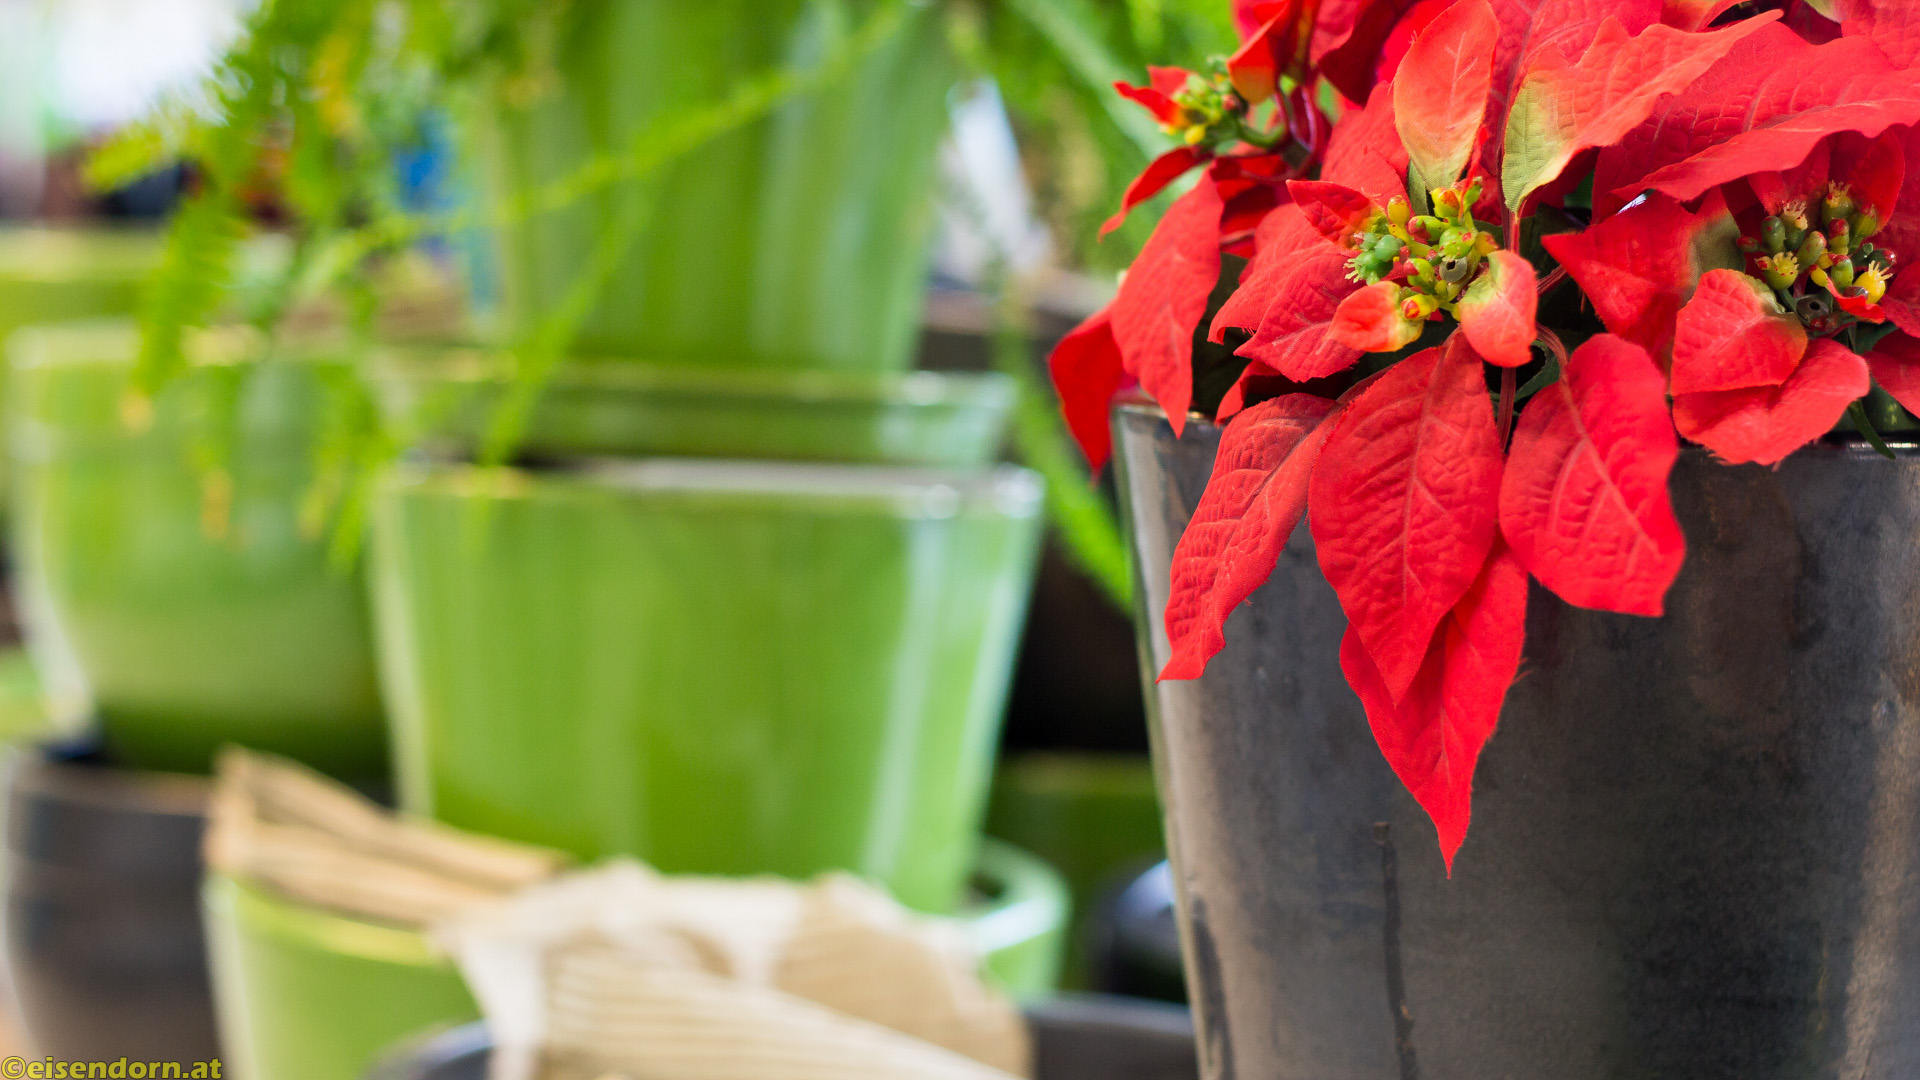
(103, 911)
(1079, 1037)
(1696, 839)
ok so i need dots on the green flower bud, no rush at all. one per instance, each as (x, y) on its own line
(1838, 204)
(1813, 244)
(1781, 270)
(1773, 233)
(1794, 216)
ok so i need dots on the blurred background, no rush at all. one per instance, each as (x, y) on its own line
(614, 426)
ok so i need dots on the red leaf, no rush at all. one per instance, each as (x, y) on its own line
(1280, 236)
(1268, 52)
(1250, 15)
(1584, 499)
(1335, 212)
(1364, 152)
(1394, 49)
(1370, 320)
(1251, 186)
(1405, 501)
(1287, 297)
(1157, 96)
(1902, 302)
(1295, 337)
(1152, 180)
(1165, 294)
(1496, 311)
(1087, 372)
(1432, 736)
(1767, 423)
(1529, 29)
(1894, 25)
(1734, 334)
(1560, 110)
(1895, 364)
(1257, 494)
(1440, 91)
(1761, 110)
(1638, 267)
(1347, 42)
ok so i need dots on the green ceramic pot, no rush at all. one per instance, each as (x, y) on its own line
(799, 240)
(719, 667)
(304, 994)
(188, 628)
(451, 396)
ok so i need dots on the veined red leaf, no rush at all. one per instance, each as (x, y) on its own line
(1370, 320)
(1404, 504)
(1440, 91)
(1295, 336)
(1255, 497)
(1734, 334)
(1584, 501)
(1895, 364)
(1762, 110)
(1278, 238)
(1336, 212)
(1497, 310)
(1269, 50)
(1560, 109)
(1529, 29)
(1638, 267)
(1364, 151)
(1154, 179)
(1165, 294)
(1433, 734)
(1250, 15)
(1394, 49)
(1251, 186)
(1766, 423)
(1894, 25)
(1087, 372)
(1902, 302)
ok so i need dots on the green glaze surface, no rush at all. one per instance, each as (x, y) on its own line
(719, 667)
(634, 409)
(304, 994)
(798, 241)
(185, 638)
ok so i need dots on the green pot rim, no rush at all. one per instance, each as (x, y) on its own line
(1031, 901)
(894, 490)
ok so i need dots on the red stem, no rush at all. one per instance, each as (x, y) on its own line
(1509, 386)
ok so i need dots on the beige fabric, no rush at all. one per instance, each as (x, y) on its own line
(317, 841)
(621, 970)
(621, 973)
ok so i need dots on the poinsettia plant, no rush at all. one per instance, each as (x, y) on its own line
(1484, 264)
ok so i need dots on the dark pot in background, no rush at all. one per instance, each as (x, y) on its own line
(103, 911)
(1694, 844)
(1074, 1038)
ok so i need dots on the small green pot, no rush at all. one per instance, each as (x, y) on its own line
(188, 628)
(606, 407)
(719, 667)
(304, 994)
(798, 240)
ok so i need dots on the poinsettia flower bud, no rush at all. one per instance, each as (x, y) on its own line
(1812, 246)
(1841, 272)
(1748, 245)
(1773, 233)
(1865, 223)
(1839, 238)
(1399, 210)
(1837, 205)
(1794, 216)
(1780, 270)
(1871, 283)
(1423, 272)
(1818, 275)
(1486, 244)
(1419, 306)
(1446, 203)
(1878, 256)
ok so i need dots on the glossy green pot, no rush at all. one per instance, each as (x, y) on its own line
(799, 240)
(188, 628)
(720, 667)
(304, 994)
(451, 396)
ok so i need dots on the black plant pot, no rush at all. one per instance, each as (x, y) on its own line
(103, 931)
(1078, 1037)
(1695, 850)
